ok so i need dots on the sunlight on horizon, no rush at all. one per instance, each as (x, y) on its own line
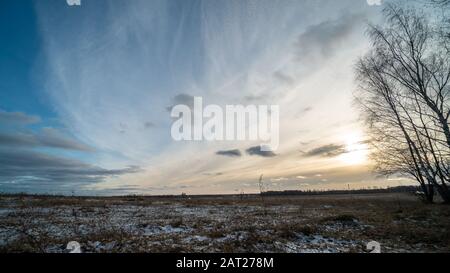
(356, 150)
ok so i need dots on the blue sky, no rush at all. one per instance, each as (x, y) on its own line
(84, 93)
(20, 48)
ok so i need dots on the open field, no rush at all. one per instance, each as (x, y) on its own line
(328, 223)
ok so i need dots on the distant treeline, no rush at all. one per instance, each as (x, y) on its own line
(397, 189)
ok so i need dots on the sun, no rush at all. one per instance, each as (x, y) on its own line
(356, 149)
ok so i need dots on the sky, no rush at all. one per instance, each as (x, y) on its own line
(86, 92)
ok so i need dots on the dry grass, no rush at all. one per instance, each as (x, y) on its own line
(340, 223)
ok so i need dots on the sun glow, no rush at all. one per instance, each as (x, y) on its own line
(356, 149)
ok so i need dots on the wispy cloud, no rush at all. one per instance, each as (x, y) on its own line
(282, 77)
(45, 137)
(115, 66)
(321, 41)
(51, 137)
(17, 118)
(149, 124)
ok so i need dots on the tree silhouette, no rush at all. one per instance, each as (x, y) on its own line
(404, 97)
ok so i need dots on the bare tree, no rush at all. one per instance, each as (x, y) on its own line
(441, 3)
(444, 5)
(261, 193)
(404, 94)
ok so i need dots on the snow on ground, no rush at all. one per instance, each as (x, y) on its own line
(140, 225)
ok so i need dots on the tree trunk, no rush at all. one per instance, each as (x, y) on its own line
(445, 194)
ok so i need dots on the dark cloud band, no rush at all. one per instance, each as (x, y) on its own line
(329, 150)
(232, 153)
(256, 150)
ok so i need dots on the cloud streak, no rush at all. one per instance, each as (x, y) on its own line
(230, 153)
(183, 99)
(117, 65)
(17, 118)
(25, 161)
(256, 150)
(48, 137)
(330, 150)
(28, 166)
(321, 41)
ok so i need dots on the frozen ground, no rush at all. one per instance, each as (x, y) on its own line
(301, 224)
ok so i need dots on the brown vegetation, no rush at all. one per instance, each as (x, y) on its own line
(329, 223)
